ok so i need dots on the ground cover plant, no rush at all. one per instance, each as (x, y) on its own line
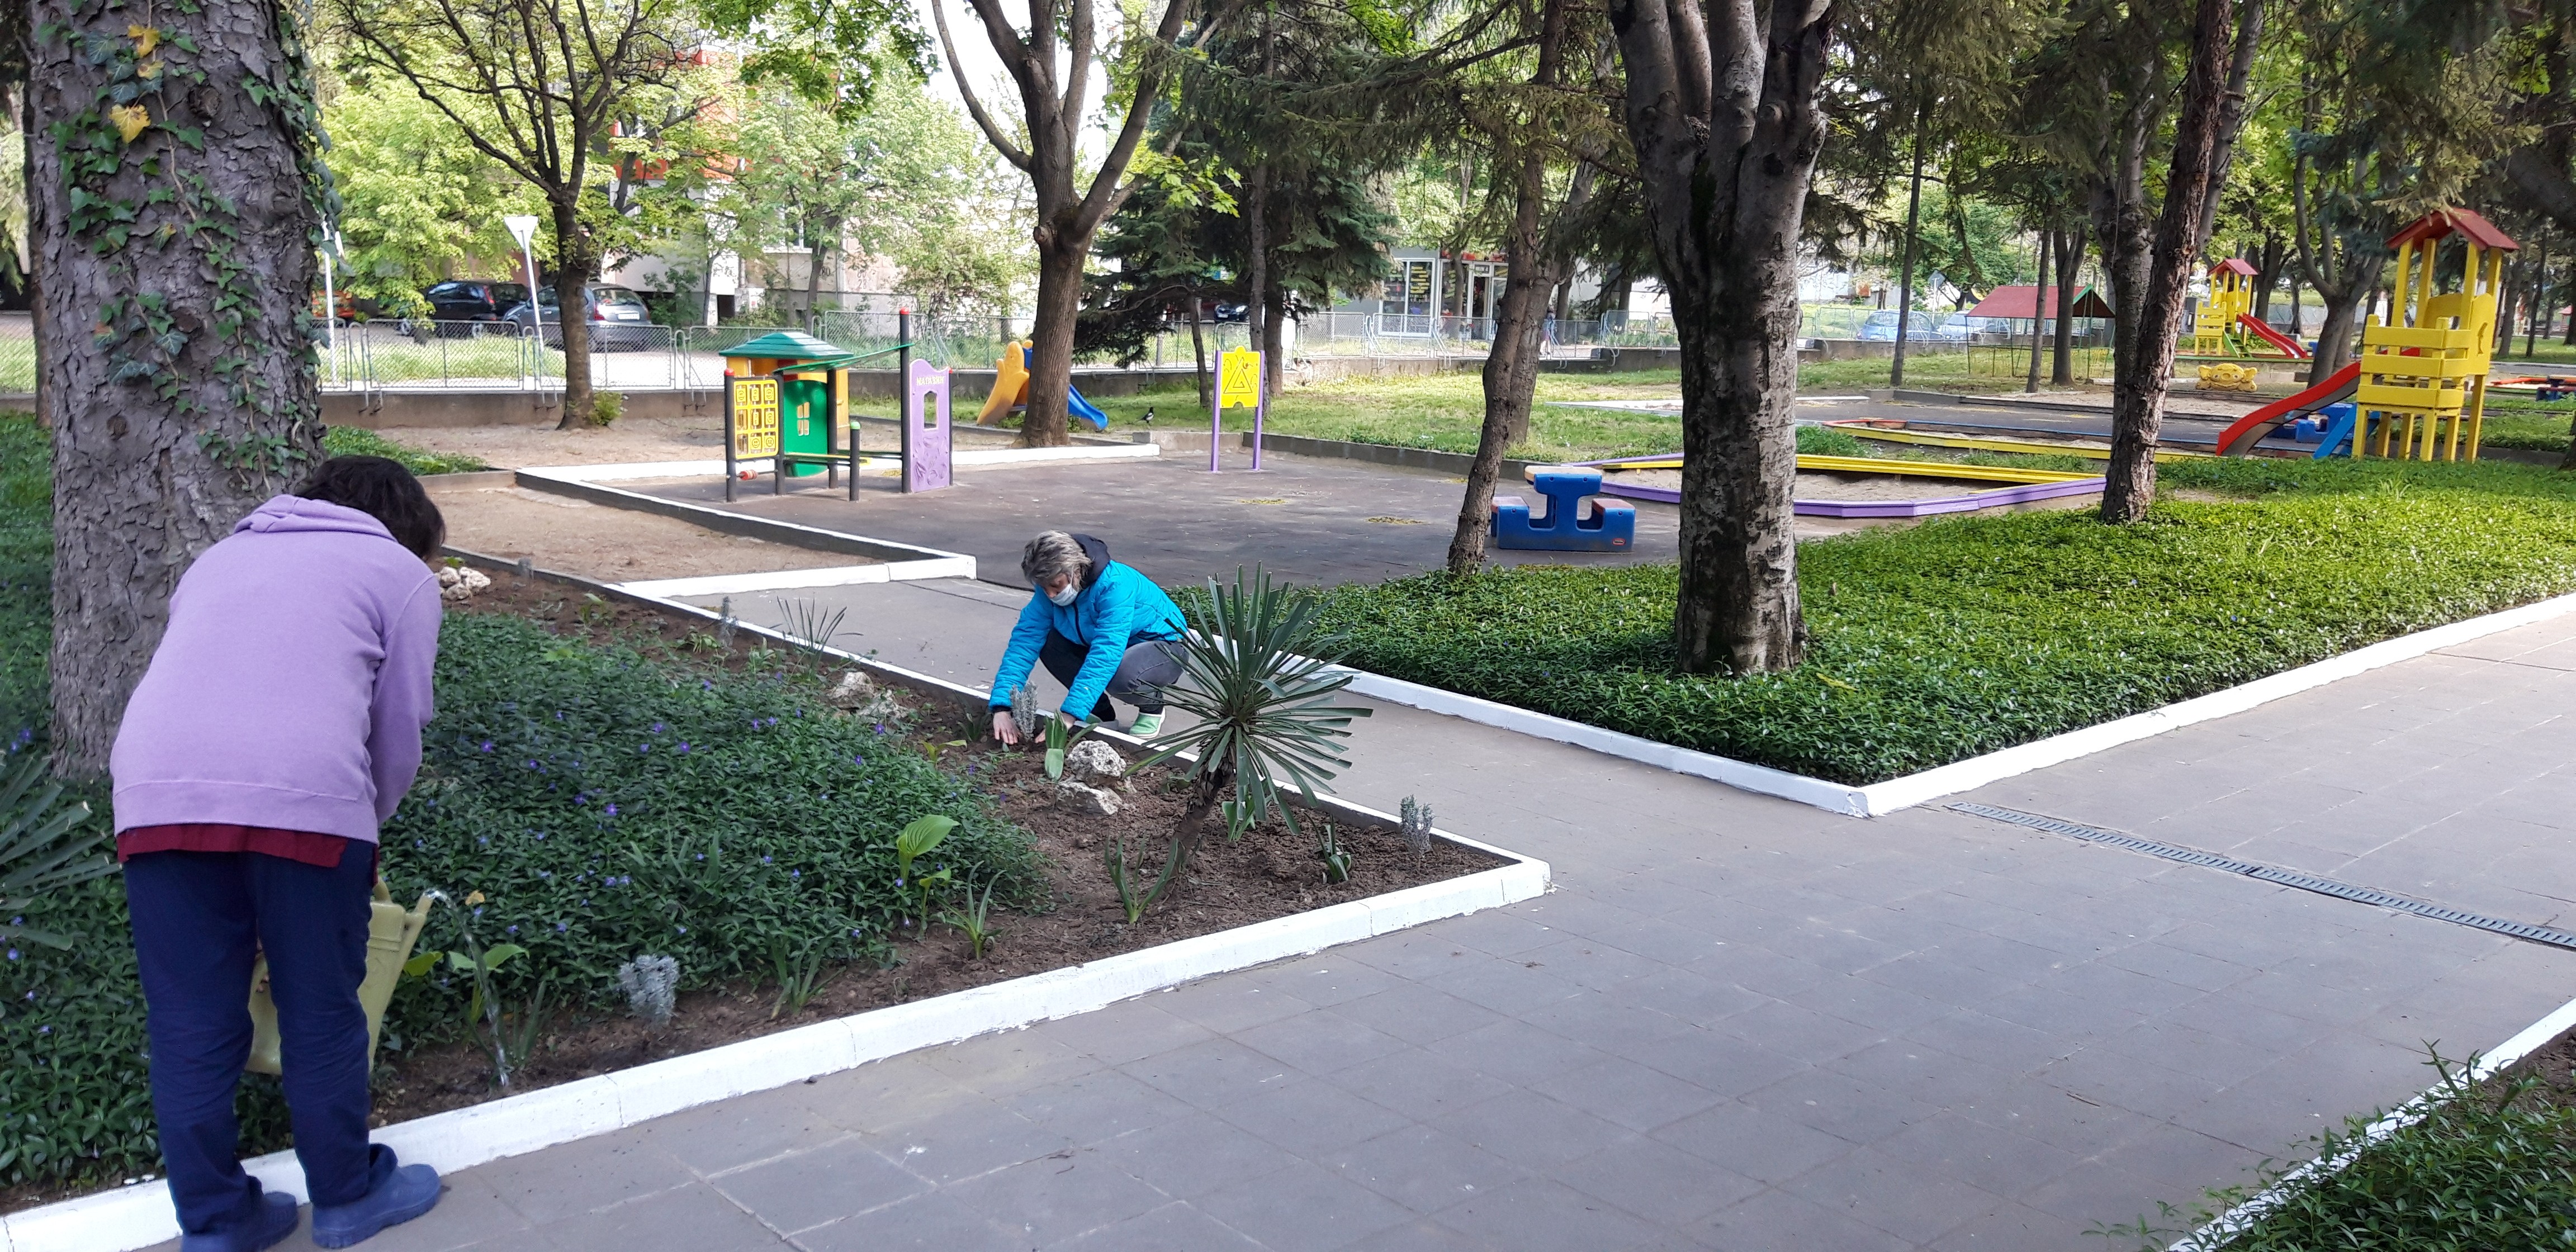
(1969, 634)
(359, 441)
(2488, 1168)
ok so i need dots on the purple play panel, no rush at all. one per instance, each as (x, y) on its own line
(925, 429)
(1969, 503)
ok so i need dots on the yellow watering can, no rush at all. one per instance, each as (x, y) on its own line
(391, 932)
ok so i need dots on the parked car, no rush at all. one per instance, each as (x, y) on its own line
(455, 307)
(1881, 326)
(618, 319)
(1961, 328)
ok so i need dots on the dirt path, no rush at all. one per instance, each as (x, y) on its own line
(610, 544)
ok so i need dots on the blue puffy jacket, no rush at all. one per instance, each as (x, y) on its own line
(1118, 609)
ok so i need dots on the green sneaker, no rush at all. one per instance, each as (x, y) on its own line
(1146, 725)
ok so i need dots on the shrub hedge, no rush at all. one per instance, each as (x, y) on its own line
(1964, 635)
(605, 807)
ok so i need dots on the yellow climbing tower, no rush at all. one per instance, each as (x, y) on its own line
(2424, 366)
(2231, 295)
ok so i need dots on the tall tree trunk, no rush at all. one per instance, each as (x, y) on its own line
(2231, 116)
(1274, 317)
(1913, 233)
(2509, 281)
(2138, 389)
(1198, 350)
(1256, 265)
(2269, 256)
(2070, 262)
(1511, 368)
(1043, 423)
(813, 284)
(188, 395)
(2536, 322)
(2039, 314)
(2298, 308)
(575, 257)
(1721, 109)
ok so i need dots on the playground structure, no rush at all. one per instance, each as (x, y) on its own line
(1011, 390)
(2023, 486)
(2225, 326)
(787, 401)
(2419, 390)
(1580, 516)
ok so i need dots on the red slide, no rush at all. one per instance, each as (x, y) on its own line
(2271, 336)
(2250, 429)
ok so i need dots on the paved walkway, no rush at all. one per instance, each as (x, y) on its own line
(1738, 1023)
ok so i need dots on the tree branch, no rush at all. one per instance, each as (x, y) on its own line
(975, 107)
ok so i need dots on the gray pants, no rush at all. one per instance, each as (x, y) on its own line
(1143, 672)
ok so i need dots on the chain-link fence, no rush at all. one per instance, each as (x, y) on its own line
(17, 354)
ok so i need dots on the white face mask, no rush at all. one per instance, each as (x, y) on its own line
(1064, 597)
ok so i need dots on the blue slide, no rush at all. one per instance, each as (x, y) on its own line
(1073, 401)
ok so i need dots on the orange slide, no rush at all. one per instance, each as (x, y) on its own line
(2240, 438)
(2264, 331)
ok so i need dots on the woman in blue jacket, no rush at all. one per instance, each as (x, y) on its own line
(1100, 627)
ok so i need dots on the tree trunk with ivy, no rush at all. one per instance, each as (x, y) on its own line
(177, 180)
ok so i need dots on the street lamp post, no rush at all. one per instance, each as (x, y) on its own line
(523, 228)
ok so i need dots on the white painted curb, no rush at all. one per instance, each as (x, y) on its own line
(140, 1216)
(1074, 452)
(786, 579)
(902, 560)
(2237, 1220)
(627, 471)
(1879, 799)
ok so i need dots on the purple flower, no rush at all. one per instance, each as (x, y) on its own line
(640, 748)
(13, 954)
(684, 745)
(487, 745)
(796, 874)
(559, 928)
(858, 760)
(764, 860)
(657, 728)
(44, 1030)
(612, 810)
(514, 930)
(682, 929)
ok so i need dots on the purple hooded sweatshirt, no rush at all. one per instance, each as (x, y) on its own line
(292, 685)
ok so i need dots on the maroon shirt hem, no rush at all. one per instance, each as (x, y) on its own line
(301, 846)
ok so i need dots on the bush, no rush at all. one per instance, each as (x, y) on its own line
(606, 407)
(359, 441)
(1966, 635)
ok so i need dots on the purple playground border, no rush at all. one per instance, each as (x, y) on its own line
(1969, 503)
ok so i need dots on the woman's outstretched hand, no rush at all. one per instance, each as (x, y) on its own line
(1005, 728)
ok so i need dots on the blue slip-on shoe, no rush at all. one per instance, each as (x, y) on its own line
(276, 1221)
(408, 1192)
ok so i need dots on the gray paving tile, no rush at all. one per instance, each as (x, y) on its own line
(1304, 1208)
(1627, 1093)
(723, 1136)
(1099, 1106)
(691, 1216)
(1320, 1043)
(586, 1174)
(1777, 1219)
(1800, 1032)
(1423, 1169)
(1188, 1158)
(974, 1138)
(1543, 1216)
(1654, 1181)
(1213, 1072)
(1013, 1060)
(1327, 979)
(1532, 1130)
(1420, 1083)
(1229, 1005)
(1416, 1013)
(1171, 1228)
(1757, 1145)
(1507, 985)
(1840, 1105)
(1056, 1197)
(1988, 1158)
(1422, 1234)
(1127, 1032)
(1724, 1064)
(2015, 1227)
(1518, 1052)
(468, 1214)
(933, 1221)
(1310, 1116)
(817, 1185)
(1881, 1190)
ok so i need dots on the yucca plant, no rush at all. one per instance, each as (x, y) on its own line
(41, 849)
(1256, 694)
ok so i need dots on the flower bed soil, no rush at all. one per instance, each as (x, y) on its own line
(1270, 873)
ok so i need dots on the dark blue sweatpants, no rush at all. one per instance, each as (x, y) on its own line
(200, 918)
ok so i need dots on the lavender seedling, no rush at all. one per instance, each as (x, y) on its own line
(1415, 826)
(652, 986)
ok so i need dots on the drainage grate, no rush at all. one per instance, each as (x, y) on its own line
(2267, 873)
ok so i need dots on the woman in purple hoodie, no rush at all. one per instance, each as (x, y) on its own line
(279, 723)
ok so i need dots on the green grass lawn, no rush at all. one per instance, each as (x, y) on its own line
(1443, 412)
(1965, 635)
(359, 441)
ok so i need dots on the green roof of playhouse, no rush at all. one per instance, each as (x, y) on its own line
(787, 345)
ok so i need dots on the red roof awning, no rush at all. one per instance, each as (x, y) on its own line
(2024, 301)
(2234, 264)
(2442, 223)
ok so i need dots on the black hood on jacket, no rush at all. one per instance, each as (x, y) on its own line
(1099, 554)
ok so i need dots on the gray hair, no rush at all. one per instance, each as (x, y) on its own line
(1053, 552)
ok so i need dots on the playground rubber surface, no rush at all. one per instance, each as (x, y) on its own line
(1307, 520)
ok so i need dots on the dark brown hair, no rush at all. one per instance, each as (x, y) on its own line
(384, 490)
